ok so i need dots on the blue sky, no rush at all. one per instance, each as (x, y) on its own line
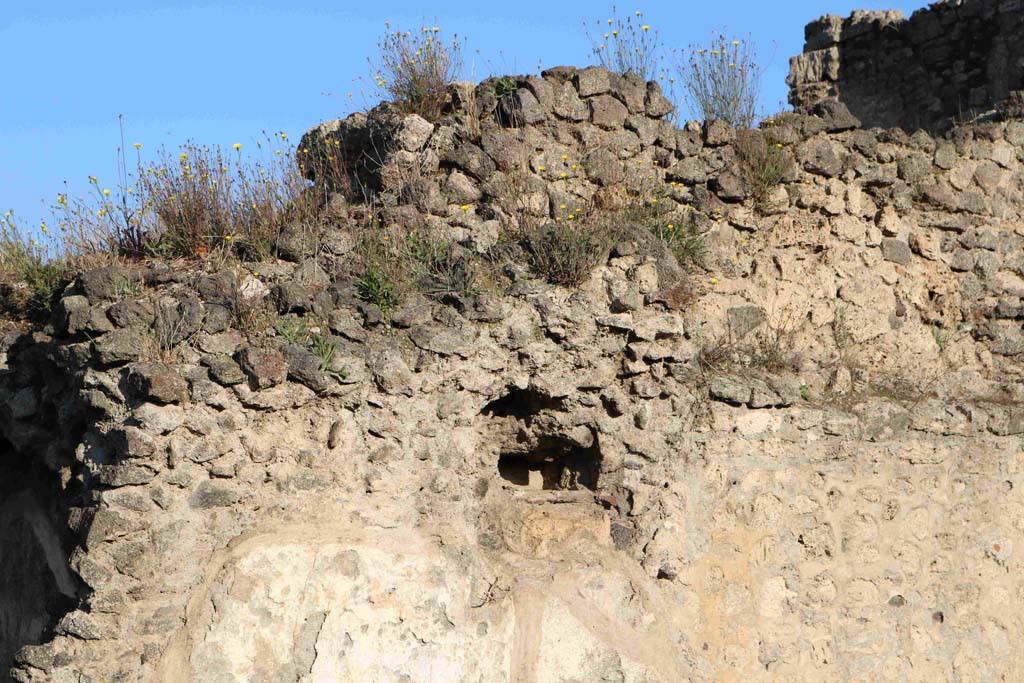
(222, 72)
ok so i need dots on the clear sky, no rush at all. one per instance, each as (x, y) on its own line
(220, 72)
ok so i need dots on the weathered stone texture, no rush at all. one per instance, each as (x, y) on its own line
(951, 61)
(796, 460)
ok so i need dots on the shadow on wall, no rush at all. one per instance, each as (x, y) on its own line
(951, 63)
(535, 450)
(37, 587)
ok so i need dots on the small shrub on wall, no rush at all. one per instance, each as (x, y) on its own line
(723, 81)
(415, 69)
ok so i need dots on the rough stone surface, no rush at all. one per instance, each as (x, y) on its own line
(264, 367)
(413, 133)
(607, 112)
(793, 457)
(592, 81)
(950, 62)
(157, 382)
(121, 346)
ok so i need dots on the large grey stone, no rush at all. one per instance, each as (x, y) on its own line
(122, 346)
(413, 133)
(265, 367)
(819, 156)
(157, 382)
(607, 112)
(593, 80)
(444, 341)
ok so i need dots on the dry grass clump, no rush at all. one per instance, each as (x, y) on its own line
(566, 254)
(416, 68)
(204, 200)
(724, 81)
(763, 162)
(650, 207)
(31, 272)
(198, 201)
(672, 225)
(770, 346)
(201, 201)
(381, 272)
(327, 163)
(392, 261)
(629, 46)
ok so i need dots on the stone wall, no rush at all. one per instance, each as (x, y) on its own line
(798, 461)
(952, 61)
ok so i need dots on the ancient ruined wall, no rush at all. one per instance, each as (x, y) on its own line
(954, 60)
(800, 461)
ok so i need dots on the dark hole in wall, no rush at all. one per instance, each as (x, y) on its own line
(37, 587)
(558, 468)
(522, 404)
(532, 453)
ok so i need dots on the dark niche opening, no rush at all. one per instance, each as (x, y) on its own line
(556, 469)
(522, 404)
(535, 447)
(37, 587)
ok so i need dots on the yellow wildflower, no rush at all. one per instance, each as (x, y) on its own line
(237, 146)
(646, 27)
(138, 145)
(465, 208)
(714, 280)
(106, 193)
